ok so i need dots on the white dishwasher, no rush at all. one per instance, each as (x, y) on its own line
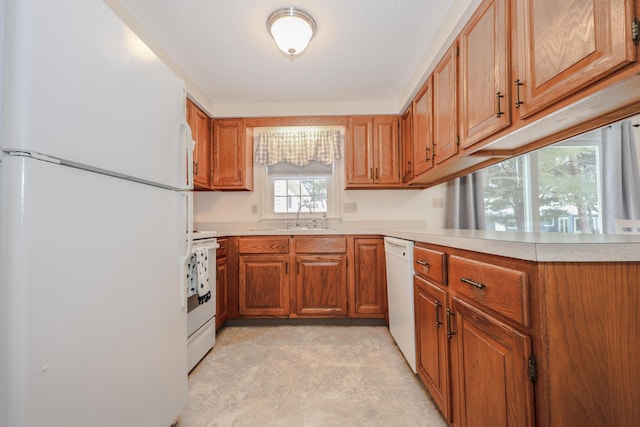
(399, 256)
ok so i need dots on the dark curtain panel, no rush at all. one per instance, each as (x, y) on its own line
(465, 203)
(620, 175)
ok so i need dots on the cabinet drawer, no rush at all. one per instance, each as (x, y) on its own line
(320, 244)
(501, 289)
(429, 264)
(221, 252)
(264, 245)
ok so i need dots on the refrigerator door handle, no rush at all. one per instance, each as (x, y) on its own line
(188, 247)
(189, 148)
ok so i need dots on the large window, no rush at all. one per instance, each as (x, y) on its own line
(310, 189)
(289, 194)
(555, 189)
(300, 167)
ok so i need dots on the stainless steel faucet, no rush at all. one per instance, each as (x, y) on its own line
(298, 214)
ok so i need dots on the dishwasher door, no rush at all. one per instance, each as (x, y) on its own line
(399, 258)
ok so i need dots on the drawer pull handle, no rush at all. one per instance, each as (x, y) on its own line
(438, 322)
(473, 283)
(450, 333)
(422, 263)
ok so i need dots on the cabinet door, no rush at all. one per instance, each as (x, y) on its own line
(562, 47)
(423, 129)
(359, 151)
(232, 156)
(264, 285)
(445, 131)
(200, 125)
(321, 285)
(432, 349)
(489, 367)
(370, 286)
(484, 73)
(387, 150)
(406, 129)
(222, 292)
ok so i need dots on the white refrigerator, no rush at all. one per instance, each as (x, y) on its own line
(94, 222)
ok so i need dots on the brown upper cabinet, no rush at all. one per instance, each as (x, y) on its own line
(561, 47)
(445, 131)
(423, 129)
(200, 125)
(566, 66)
(406, 138)
(232, 155)
(372, 152)
(484, 82)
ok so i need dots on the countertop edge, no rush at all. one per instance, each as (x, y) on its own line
(524, 246)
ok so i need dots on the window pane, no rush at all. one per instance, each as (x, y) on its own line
(568, 188)
(279, 187)
(293, 186)
(291, 193)
(280, 204)
(504, 195)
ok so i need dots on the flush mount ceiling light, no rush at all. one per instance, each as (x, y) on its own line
(292, 29)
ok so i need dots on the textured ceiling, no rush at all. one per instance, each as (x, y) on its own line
(364, 51)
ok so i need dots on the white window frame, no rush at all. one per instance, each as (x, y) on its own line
(334, 185)
(530, 176)
(333, 195)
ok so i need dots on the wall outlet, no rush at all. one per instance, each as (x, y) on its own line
(254, 209)
(350, 207)
(438, 202)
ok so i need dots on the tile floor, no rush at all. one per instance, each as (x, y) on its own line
(306, 376)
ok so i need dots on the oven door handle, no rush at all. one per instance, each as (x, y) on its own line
(207, 246)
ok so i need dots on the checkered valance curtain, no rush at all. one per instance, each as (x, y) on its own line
(298, 148)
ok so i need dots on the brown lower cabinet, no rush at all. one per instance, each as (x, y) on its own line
(222, 287)
(432, 349)
(507, 342)
(472, 334)
(321, 285)
(489, 367)
(308, 276)
(369, 293)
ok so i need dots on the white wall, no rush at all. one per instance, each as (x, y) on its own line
(372, 205)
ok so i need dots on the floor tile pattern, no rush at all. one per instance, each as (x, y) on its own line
(306, 376)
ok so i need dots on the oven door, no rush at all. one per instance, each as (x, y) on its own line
(199, 314)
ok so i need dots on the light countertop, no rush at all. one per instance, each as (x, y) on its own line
(544, 247)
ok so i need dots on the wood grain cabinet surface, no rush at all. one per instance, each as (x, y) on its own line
(489, 370)
(321, 285)
(200, 125)
(232, 155)
(263, 285)
(222, 284)
(423, 129)
(308, 276)
(484, 80)
(445, 106)
(562, 47)
(528, 344)
(321, 276)
(369, 295)
(372, 152)
(432, 346)
(406, 138)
